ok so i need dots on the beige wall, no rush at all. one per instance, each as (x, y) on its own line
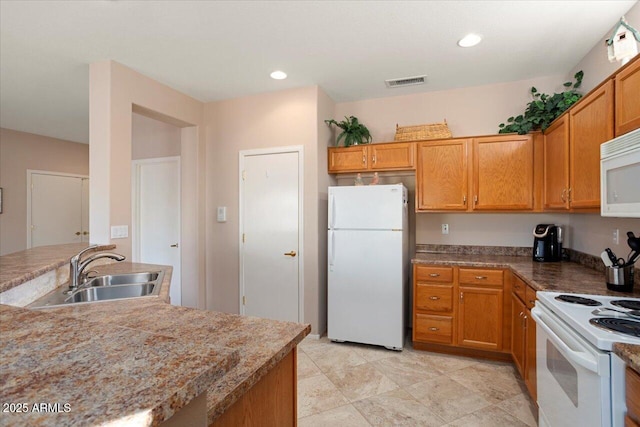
(152, 138)
(277, 119)
(115, 92)
(20, 151)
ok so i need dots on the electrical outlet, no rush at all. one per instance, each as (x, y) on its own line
(445, 228)
(616, 236)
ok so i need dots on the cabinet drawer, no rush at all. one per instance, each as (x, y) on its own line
(434, 328)
(477, 276)
(434, 297)
(530, 297)
(434, 274)
(519, 288)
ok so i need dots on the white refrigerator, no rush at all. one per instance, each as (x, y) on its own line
(368, 264)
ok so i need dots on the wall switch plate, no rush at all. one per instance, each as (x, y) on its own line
(616, 236)
(445, 228)
(119, 231)
(222, 214)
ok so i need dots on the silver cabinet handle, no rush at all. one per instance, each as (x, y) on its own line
(434, 329)
(434, 275)
(434, 298)
(481, 277)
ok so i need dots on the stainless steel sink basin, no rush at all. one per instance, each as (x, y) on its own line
(122, 279)
(102, 293)
(106, 288)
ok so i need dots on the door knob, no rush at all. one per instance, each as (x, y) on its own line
(174, 245)
(84, 233)
(291, 254)
(77, 233)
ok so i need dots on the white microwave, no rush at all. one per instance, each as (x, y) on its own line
(620, 176)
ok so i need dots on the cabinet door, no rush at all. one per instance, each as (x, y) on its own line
(503, 173)
(396, 156)
(590, 124)
(441, 177)
(518, 334)
(530, 355)
(556, 165)
(480, 318)
(627, 96)
(348, 159)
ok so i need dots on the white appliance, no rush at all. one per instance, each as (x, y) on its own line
(580, 382)
(368, 264)
(620, 174)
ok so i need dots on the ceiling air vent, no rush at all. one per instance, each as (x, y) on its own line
(406, 81)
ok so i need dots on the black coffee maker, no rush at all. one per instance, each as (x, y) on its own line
(547, 243)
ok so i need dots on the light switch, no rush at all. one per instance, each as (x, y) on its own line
(222, 214)
(119, 231)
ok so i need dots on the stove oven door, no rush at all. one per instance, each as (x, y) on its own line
(573, 376)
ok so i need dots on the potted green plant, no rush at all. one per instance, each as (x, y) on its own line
(544, 108)
(353, 132)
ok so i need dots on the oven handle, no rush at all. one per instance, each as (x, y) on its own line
(575, 356)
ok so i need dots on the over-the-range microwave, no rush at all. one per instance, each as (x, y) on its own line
(620, 176)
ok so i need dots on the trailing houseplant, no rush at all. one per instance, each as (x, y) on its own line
(353, 132)
(544, 108)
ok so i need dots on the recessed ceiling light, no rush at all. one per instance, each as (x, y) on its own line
(279, 75)
(469, 40)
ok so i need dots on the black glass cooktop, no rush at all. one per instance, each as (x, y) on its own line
(574, 299)
(623, 326)
(627, 303)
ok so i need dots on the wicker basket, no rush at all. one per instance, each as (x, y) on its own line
(422, 132)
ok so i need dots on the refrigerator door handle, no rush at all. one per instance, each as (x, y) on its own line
(332, 248)
(332, 221)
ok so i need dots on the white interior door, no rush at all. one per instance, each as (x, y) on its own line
(270, 221)
(157, 217)
(55, 213)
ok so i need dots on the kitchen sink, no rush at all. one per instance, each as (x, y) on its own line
(106, 288)
(102, 293)
(122, 279)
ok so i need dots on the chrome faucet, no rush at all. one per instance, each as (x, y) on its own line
(77, 267)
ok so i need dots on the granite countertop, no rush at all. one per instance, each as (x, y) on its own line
(630, 353)
(20, 267)
(563, 276)
(225, 354)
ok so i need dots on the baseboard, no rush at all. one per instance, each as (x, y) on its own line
(313, 336)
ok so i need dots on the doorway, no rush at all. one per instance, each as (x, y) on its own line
(156, 216)
(271, 224)
(57, 208)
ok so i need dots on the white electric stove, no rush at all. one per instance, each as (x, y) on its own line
(580, 382)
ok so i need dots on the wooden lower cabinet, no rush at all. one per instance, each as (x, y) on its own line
(523, 334)
(632, 386)
(459, 307)
(271, 402)
(518, 337)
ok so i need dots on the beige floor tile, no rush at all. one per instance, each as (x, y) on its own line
(317, 394)
(491, 416)
(405, 370)
(522, 407)
(306, 367)
(447, 398)
(333, 356)
(494, 381)
(372, 352)
(444, 362)
(396, 408)
(360, 382)
(343, 416)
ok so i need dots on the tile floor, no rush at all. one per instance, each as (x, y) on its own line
(343, 384)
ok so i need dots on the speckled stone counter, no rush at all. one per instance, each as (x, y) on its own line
(543, 276)
(257, 344)
(20, 267)
(102, 371)
(629, 353)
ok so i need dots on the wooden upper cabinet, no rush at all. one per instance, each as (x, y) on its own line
(372, 157)
(441, 176)
(627, 89)
(503, 173)
(395, 156)
(556, 165)
(590, 124)
(348, 159)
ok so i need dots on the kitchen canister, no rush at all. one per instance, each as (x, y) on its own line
(620, 278)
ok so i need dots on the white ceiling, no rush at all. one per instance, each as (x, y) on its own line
(216, 50)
